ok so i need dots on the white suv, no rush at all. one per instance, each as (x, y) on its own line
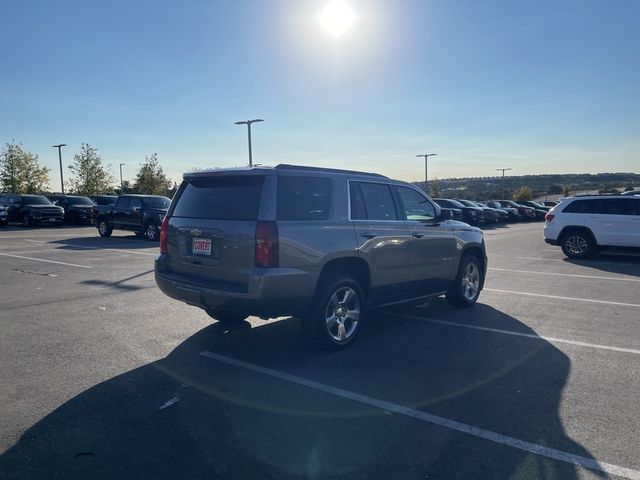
(582, 225)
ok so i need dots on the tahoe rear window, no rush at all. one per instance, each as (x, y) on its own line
(220, 198)
(303, 198)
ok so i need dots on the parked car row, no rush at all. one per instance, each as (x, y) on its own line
(141, 214)
(493, 211)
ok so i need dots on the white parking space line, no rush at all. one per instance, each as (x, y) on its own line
(513, 442)
(527, 335)
(43, 260)
(596, 277)
(47, 236)
(582, 263)
(558, 297)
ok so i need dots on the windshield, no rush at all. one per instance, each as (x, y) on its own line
(156, 202)
(80, 201)
(35, 200)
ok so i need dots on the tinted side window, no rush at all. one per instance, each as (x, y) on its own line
(378, 201)
(605, 206)
(303, 198)
(577, 206)
(220, 198)
(123, 202)
(135, 203)
(416, 206)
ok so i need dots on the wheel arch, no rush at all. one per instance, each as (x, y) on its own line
(354, 267)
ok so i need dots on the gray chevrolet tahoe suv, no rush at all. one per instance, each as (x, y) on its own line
(320, 244)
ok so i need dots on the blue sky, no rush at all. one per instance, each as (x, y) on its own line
(541, 87)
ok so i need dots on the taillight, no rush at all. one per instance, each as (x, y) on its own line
(548, 217)
(267, 248)
(163, 235)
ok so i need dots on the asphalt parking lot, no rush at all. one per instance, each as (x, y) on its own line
(104, 377)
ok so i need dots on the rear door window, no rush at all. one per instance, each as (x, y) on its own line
(220, 197)
(123, 202)
(303, 198)
(375, 203)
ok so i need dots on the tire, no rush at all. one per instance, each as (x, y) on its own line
(334, 319)
(152, 233)
(577, 244)
(226, 318)
(26, 221)
(104, 229)
(465, 289)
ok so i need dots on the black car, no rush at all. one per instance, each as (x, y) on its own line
(540, 210)
(502, 215)
(526, 213)
(471, 215)
(31, 209)
(490, 214)
(77, 209)
(512, 212)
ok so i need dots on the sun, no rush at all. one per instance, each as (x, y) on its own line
(336, 17)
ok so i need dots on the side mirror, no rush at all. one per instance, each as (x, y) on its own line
(445, 214)
(135, 209)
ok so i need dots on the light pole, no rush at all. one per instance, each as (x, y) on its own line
(59, 147)
(502, 170)
(121, 176)
(426, 178)
(248, 124)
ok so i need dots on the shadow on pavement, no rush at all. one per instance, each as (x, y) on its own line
(129, 242)
(612, 263)
(186, 416)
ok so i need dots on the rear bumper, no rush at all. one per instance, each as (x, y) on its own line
(551, 241)
(270, 292)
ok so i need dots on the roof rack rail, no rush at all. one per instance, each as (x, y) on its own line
(285, 166)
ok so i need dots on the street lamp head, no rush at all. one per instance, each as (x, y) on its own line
(58, 146)
(241, 123)
(255, 120)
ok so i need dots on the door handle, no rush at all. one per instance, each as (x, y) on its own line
(417, 235)
(368, 235)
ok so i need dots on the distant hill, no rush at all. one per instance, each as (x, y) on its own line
(483, 188)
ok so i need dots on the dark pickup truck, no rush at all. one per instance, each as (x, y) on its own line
(141, 214)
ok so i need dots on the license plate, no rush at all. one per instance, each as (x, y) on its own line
(202, 246)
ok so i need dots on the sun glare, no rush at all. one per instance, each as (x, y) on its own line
(336, 17)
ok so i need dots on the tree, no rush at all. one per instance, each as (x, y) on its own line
(554, 189)
(434, 188)
(20, 171)
(523, 193)
(92, 177)
(566, 191)
(150, 179)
